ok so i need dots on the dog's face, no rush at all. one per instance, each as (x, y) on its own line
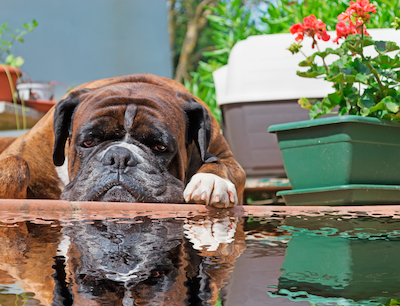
(129, 142)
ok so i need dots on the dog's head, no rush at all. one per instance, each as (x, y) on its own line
(129, 141)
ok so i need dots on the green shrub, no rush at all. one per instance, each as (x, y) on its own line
(232, 21)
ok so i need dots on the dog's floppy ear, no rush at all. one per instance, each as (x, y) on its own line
(62, 123)
(198, 128)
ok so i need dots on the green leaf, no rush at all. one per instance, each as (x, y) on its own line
(343, 111)
(391, 104)
(380, 46)
(18, 62)
(385, 46)
(384, 114)
(306, 63)
(325, 53)
(362, 104)
(339, 78)
(341, 62)
(305, 103)
(14, 61)
(361, 78)
(386, 62)
(309, 74)
(360, 67)
(386, 104)
(367, 101)
(347, 70)
(334, 99)
(316, 111)
(216, 52)
(364, 111)
(393, 302)
(275, 21)
(356, 43)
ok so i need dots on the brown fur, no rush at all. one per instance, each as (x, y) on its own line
(27, 256)
(5, 142)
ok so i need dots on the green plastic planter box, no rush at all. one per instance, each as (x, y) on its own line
(344, 153)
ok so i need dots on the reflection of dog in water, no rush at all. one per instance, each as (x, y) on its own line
(150, 261)
(128, 262)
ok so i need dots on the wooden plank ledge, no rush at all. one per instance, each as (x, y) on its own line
(267, 184)
(11, 210)
(7, 115)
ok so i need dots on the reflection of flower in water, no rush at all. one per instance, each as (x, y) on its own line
(207, 235)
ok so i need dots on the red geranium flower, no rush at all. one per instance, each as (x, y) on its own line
(359, 10)
(343, 30)
(311, 27)
(346, 15)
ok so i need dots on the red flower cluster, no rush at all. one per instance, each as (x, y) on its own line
(311, 27)
(356, 15)
(343, 30)
(357, 11)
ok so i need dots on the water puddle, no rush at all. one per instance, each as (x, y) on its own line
(280, 258)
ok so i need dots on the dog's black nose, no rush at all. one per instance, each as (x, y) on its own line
(119, 158)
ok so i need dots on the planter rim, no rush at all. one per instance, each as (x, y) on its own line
(341, 187)
(330, 120)
(10, 68)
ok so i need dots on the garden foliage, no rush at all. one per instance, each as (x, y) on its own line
(8, 36)
(231, 22)
(364, 85)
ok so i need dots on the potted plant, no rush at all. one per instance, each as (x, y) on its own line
(352, 158)
(9, 63)
(9, 71)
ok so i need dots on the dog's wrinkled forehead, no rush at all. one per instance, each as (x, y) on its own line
(141, 107)
(124, 94)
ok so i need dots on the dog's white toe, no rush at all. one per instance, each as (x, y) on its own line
(210, 189)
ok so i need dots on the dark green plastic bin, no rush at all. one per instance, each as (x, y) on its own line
(340, 151)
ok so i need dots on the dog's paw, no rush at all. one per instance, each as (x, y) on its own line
(210, 189)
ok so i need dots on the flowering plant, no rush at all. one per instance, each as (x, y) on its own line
(364, 85)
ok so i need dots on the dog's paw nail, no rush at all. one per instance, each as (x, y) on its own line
(231, 197)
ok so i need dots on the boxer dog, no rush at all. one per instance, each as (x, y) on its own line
(136, 138)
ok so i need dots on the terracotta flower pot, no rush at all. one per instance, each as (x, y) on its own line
(5, 85)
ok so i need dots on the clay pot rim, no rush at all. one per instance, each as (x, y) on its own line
(12, 70)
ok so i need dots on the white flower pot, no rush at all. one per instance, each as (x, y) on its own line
(37, 90)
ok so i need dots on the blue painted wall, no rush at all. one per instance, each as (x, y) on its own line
(84, 40)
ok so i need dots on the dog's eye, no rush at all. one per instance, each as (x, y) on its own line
(160, 148)
(89, 143)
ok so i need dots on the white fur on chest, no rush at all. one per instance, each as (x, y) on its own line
(62, 173)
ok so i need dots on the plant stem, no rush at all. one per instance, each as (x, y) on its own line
(23, 108)
(372, 69)
(375, 73)
(11, 83)
(323, 60)
(10, 45)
